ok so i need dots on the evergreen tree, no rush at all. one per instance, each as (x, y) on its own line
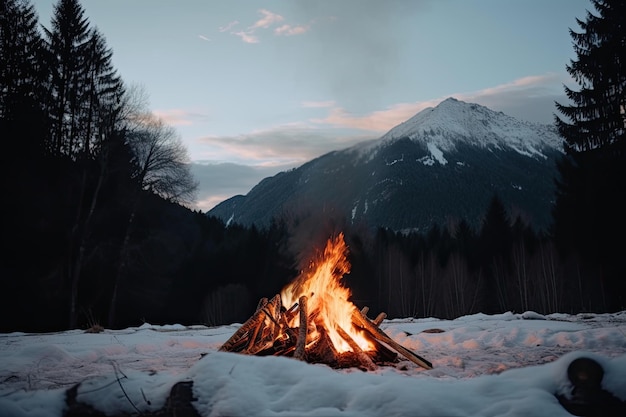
(21, 78)
(495, 243)
(589, 212)
(67, 43)
(597, 117)
(101, 96)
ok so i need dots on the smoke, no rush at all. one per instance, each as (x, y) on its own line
(357, 44)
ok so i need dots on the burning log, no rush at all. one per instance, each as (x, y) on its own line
(321, 326)
(361, 356)
(304, 325)
(283, 340)
(381, 336)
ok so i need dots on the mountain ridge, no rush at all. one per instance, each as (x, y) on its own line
(443, 163)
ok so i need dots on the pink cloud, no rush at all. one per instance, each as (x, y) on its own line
(267, 20)
(383, 120)
(247, 37)
(179, 117)
(173, 117)
(289, 30)
(228, 26)
(378, 121)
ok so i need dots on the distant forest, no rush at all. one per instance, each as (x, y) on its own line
(96, 227)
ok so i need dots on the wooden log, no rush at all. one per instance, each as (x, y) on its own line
(252, 342)
(262, 303)
(365, 360)
(379, 319)
(274, 310)
(291, 334)
(302, 331)
(243, 332)
(381, 353)
(381, 336)
(364, 310)
(291, 313)
(271, 329)
(322, 350)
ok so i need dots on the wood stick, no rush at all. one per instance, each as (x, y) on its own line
(275, 315)
(381, 352)
(365, 360)
(271, 310)
(365, 323)
(262, 303)
(379, 319)
(285, 326)
(243, 331)
(302, 331)
(364, 310)
(252, 339)
(291, 313)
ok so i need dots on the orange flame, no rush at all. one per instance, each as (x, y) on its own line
(328, 300)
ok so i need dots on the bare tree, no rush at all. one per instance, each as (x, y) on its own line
(162, 161)
(162, 168)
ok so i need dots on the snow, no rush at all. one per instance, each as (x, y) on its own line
(483, 365)
(453, 121)
(437, 153)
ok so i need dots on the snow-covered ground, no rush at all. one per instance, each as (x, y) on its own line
(501, 365)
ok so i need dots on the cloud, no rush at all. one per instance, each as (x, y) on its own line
(318, 104)
(247, 37)
(265, 152)
(267, 20)
(204, 38)
(180, 117)
(530, 98)
(377, 121)
(357, 49)
(280, 145)
(289, 30)
(229, 26)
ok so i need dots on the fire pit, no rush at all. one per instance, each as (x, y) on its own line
(320, 324)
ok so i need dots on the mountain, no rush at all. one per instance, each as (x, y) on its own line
(445, 163)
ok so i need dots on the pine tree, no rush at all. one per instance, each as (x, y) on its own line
(101, 96)
(589, 213)
(598, 113)
(67, 42)
(22, 79)
(495, 242)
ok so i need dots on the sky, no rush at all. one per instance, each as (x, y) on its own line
(258, 87)
(483, 365)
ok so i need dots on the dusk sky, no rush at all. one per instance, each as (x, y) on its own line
(258, 87)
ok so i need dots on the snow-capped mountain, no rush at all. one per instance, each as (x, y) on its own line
(455, 122)
(445, 163)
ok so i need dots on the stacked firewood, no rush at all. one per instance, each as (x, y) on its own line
(268, 332)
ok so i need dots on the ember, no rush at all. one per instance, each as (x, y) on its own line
(321, 324)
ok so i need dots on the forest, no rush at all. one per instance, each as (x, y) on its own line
(97, 229)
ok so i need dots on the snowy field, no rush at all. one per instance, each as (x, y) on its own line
(500, 365)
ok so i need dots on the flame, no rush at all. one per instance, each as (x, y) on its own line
(328, 300)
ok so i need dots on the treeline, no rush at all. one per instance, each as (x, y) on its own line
(454, 270)
(96, 227)
(94, 224)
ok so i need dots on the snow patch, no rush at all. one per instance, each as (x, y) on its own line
(437, 153)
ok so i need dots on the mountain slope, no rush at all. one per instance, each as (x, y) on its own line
(445, 163)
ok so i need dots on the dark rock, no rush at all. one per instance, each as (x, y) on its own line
(587, 397)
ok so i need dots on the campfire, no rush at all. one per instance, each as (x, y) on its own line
(313, 320)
